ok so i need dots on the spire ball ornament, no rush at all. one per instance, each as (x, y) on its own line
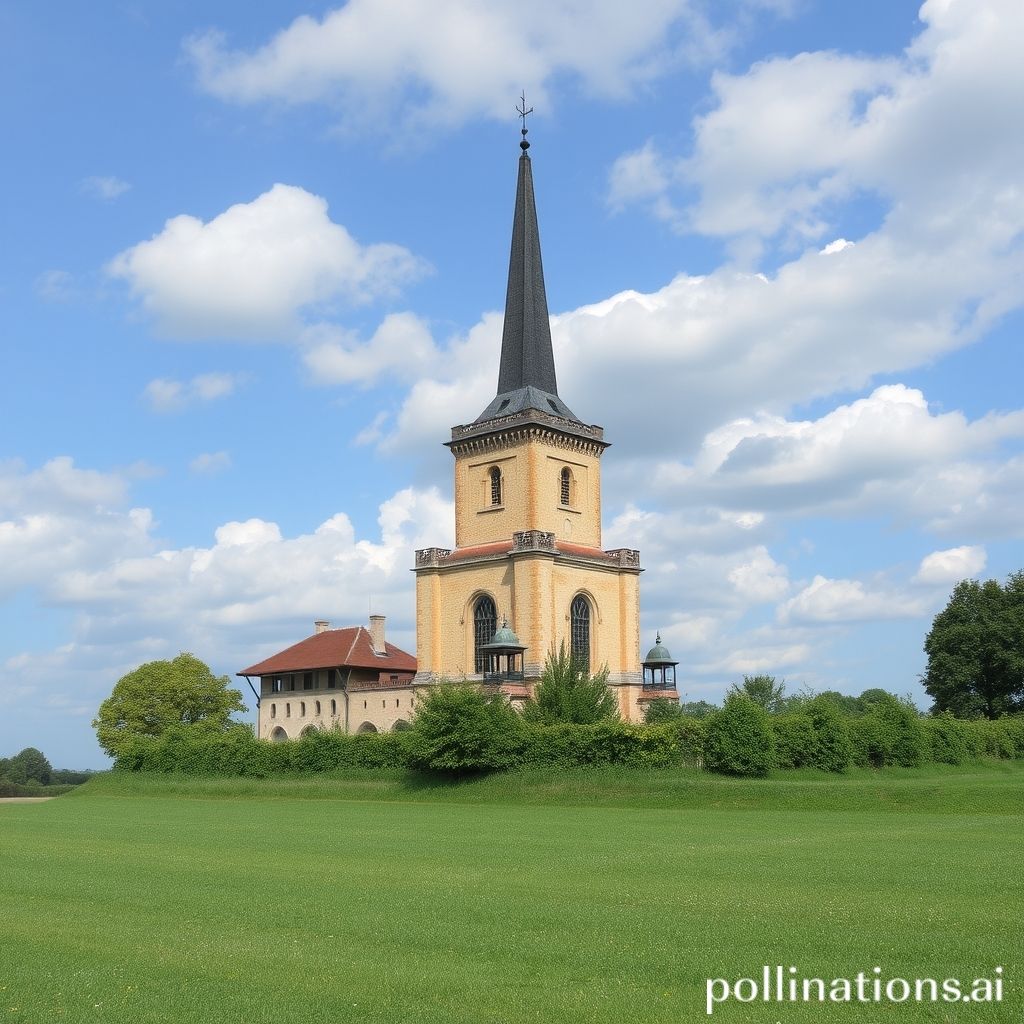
(522, 111)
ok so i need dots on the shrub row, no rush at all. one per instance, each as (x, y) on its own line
(741, 739)
(238, 753)
(8, 788)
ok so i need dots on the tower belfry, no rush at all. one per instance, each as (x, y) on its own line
(528, 516)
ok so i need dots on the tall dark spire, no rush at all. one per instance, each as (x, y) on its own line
(526, 377)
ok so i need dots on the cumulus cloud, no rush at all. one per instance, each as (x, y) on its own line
(401, 348)
(443, 61)
(59, 518)
(793, 137)
(252, 270)
(848, 455)
(952, 565)
(168, 395)
(252, 578)
(106, 187)
(842, 601)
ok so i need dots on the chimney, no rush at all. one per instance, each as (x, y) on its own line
(377, 634)
(321, 625)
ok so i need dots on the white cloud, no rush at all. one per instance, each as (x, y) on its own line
(106, 188)
(842, 601)
(889, 436)
(58, 519)
(167, 395)
(255, 590)
(250, 271)
(401, 348)
(210, 463)
(787, 142)
(952, 565)
(761, 578)
(443, 61)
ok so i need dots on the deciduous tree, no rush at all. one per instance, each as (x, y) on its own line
(975, 650)
(164, 694)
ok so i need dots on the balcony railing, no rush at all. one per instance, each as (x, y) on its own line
(504, 677)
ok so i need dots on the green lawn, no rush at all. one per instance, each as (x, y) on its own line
(584, 897)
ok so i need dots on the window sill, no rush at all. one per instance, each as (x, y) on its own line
(491, 508)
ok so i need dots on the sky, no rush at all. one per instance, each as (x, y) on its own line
(253, 271)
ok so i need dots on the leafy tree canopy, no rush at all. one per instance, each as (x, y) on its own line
(28, 765)
(663, 709)
(164, 694)
(698, 709)
(763, 690)
(975, 650)
(568, 693)
(460, 729)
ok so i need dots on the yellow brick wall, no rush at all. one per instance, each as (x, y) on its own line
(535, 592)
(531, 495)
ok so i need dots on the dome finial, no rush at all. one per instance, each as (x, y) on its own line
(524, 145)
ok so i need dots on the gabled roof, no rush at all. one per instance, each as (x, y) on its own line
(334, 648)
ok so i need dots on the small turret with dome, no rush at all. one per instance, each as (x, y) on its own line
(659, 668)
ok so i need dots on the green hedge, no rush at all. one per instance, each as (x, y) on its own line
(239, 753)
(738, 740)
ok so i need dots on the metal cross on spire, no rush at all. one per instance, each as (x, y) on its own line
(522, 111)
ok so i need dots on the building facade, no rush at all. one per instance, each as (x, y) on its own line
(528, 547)
(350, 679)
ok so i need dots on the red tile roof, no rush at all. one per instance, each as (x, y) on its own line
(497, 548)
(334, 648)
(583, 549)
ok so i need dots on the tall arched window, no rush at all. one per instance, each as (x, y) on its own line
(334, 709)
(495, 475)
(566, 485)
(485, 625)
(579, 633)
(273, 711)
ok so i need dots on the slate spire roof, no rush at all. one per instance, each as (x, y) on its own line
(526, 377)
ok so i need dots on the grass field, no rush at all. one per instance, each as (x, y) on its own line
(589, 897)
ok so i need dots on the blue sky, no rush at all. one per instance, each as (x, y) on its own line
(253, 270)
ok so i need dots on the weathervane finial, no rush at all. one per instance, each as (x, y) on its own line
(524, 145)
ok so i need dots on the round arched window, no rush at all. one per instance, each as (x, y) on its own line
(579, 631)
(485, 625)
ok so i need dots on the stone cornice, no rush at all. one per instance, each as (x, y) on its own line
(504, 432)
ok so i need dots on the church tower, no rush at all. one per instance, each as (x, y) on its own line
(528, 548)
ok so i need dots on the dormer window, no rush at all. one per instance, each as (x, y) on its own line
(495, 475)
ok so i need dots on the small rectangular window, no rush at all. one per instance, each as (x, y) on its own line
(332, 678)
(291, 683)
(307, 681)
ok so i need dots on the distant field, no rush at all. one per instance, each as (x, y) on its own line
(590, 897)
